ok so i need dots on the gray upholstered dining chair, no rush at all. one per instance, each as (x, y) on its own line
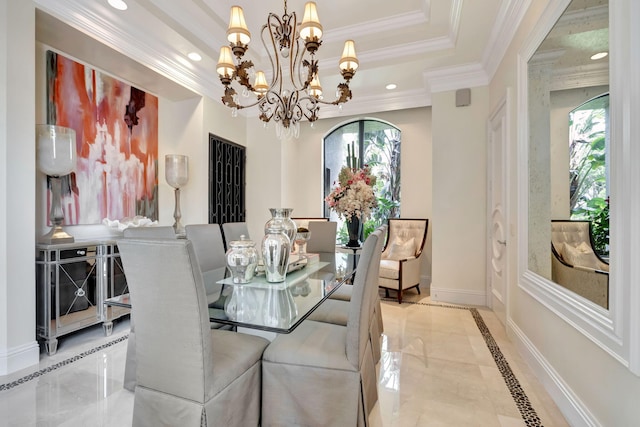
(335, 310)
(208, 245)
(187, 373)
(233, 231)
(304, 222)
(323, 236)
(323, 374)
(160, 232)
(156, 232)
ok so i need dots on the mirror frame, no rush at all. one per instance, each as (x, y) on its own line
(617, 330)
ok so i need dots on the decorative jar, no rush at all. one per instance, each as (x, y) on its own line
(283, 215)
(242, 260)
(276, 246)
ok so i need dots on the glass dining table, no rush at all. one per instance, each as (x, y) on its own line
(271, 307)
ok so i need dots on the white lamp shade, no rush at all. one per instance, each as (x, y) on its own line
(315, 89)
(349, 60)
(176, 170)
(225, 67)
(56, 149)
(260, 86)
(310, 26)
(238, 31)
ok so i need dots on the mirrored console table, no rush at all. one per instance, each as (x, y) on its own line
(72, 282)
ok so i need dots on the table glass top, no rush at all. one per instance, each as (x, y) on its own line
(275, 307)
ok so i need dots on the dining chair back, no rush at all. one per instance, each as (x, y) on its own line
(336, 310)
(155, 232)
(207, 244)
(233, 231)
(323, 236)
(161, 232)
(187, 373)
(324, 374)
(304, 222)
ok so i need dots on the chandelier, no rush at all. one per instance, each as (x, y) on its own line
(295, 91)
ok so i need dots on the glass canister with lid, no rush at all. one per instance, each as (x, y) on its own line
(242, 260)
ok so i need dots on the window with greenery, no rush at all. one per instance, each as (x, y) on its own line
(376, 144)
(588, 168)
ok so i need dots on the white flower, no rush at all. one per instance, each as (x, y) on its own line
(354, 195)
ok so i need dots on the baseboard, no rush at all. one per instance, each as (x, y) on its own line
(21, 357)
(425, 281)
(458, 296)
(573, 409)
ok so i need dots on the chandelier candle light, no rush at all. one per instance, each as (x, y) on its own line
(295, 91)
(176, 172)
(56, 155)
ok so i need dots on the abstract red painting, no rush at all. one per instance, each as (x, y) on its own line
(116, 128)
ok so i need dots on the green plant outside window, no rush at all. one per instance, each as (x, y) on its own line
(373, 143)
(588, 168)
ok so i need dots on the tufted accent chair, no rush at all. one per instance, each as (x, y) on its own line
(400, 262)
(575, 264)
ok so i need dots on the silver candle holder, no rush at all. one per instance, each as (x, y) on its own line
(176, 173)
(56, 156)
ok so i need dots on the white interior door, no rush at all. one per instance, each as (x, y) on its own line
(497, 230)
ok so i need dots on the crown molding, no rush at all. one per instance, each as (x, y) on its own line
(366, 105)
(376, 26)
(454, 23)
(391, 101)
(596, 74)
(452, 78)
(507, 22)
(133, 43)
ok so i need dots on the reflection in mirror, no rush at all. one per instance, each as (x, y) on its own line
(568, 146)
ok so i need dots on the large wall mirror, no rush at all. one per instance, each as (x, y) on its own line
(568, 153)
(566, 123)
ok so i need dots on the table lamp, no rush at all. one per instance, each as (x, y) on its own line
(56, 155)
(176, 172)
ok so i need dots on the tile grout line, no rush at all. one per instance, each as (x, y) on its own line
(529, 415)
(60, 364)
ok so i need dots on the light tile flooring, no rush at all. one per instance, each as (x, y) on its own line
(436, 370)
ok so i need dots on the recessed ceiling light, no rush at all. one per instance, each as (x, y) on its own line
(118, 4)
(194, 56)
(391, 86)
(599, 55)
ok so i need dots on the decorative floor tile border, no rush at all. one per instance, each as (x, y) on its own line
(529, 415)
(58, 365)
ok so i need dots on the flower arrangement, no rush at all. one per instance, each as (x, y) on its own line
(354, 193)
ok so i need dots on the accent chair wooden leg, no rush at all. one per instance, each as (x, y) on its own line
(399, 296)
(386, 293)
(418, 288)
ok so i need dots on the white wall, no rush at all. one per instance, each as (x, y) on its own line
(183, 128)
(459, 198)
(303, 161)
(589, 385)
(18, 348)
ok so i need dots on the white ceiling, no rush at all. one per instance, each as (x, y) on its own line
(422, 46)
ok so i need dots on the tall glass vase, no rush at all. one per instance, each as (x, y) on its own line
(353, 228)
(275, 253)
(283, 216)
